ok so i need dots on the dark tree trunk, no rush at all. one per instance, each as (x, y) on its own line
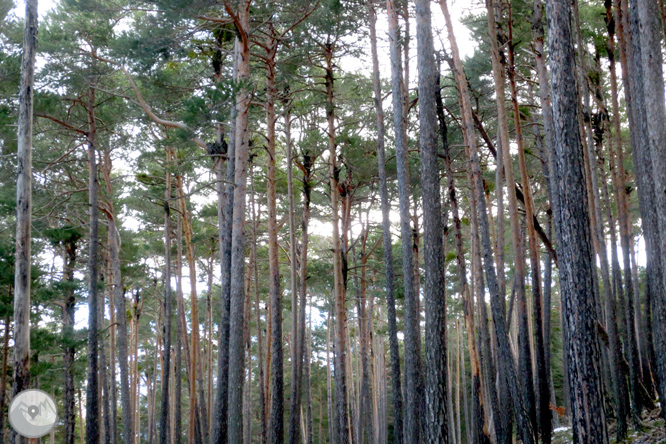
(436, 415)
(575, 250)
(92, 393)
(225, 205)
(541, 396)
(621, 198)
(386, 225)
(644, 178)
(650, 27)
(104, 386)
(499, 39)
(121, 320)
(505, 360)
(166, 333)
(618, 380)
(276, 419)
(413, 375)
(478, 429)
(69, 396)
(178, 369)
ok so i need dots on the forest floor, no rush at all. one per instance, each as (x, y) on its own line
(653, 432)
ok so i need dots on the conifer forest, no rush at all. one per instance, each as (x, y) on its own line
(334, 221)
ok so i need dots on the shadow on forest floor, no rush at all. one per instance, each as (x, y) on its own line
(652, 432)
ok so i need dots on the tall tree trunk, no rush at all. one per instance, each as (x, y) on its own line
(308, 163)
(615, 347)
(621, 198)
(166, 365)
(650, 39)
(332, 427)
(644, 178)
(225, 204)
(69, 396)
(542, 398)
(178, 364)
(309, 439)
(113, 353)
(436, 415)
(119, 304)
(478, 426)
(386, 222)
(92, 393)
(505, 359)
(276, 419)
(341, 396)
(575, 250)
(236, 313)
(21, 358)
(458, 406)
(413, 377)
(538, 34)
(198, 413)
(497, 39)
(104, 386)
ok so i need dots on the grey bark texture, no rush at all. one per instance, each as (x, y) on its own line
(575, 251)
(22, 261)
(436, 414)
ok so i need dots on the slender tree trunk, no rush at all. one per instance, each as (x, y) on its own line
(112, 365)
(459, 407)
(92, 389)
(247, 388)
(575, 251)
(548, 169)
(386, 209)
(498, 39)
(178, 365)
(309, 439)
(22, 261)
(69, 396)
(541, 401)
(260, 343)
(621, 203)
(103, 375)
(225, 202)
(617, 373)
(413, 377)
(120, 309)
(198, 413)
(298, 309)
(626, 56)
(81, 428)
(3, 386)
(341, 395)
(332, 427)
(166, 366)
(478, 424)
(505, 358)
(276, 419)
